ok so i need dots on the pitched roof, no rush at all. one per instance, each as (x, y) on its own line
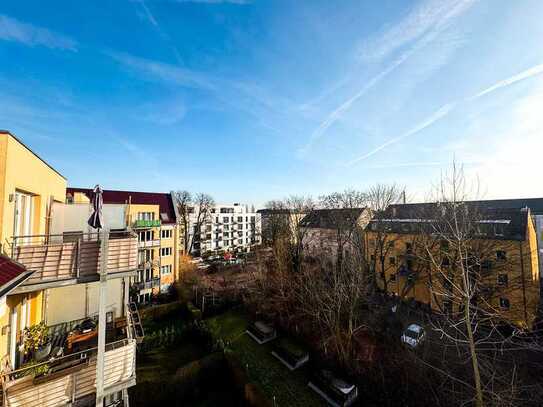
(164, 200)
(331, 218)
(11, 274)
(512, 221)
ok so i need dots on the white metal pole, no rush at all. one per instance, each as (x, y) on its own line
(102, 318)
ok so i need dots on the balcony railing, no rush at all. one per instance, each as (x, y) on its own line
(145, 285)
(55, 258)
(148, 243)
(147, 223)
(70, 378)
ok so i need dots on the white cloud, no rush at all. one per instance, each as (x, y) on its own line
(512, 158)
(28, 34)
(165, 72)
(165, 114)
(529, 73)
(429, 16)
(417, 30)
(434, 117)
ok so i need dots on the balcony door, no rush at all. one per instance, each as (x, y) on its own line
(23, 215)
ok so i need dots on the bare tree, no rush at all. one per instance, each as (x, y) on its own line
(474, 267)
(194, 211)
(183, 202)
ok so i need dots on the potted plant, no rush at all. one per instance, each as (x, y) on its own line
(36, 341)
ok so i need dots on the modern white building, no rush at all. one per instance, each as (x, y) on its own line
(227, 228)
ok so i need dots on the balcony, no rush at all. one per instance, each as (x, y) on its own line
(144, 224)
(72, 258)
(64, 380)
(143, 244)
(145, 285)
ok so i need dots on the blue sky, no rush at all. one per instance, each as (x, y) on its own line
(253, 100)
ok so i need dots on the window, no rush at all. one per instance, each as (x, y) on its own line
(444, 245)
(146, 235)
(146, 216)
(504, 303)
(166, 234)
(408, 247)
(405, 227)
(501, 255)
(226, 234)
(372, 258)
(240, 226)
(240, 218)
(445, 262)
(166, 269)
(225, 219)
(503, 279)
(226, 227)
(165, 251)
(240, 241)
(392, 278)
(392, 261)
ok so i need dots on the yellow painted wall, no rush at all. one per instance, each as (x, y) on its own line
(20, 169)
(522, 269)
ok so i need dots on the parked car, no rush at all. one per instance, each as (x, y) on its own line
(413, 336)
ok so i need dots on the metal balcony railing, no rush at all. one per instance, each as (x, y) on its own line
(140, 223)
(73, 255)
(145, 285)
(142, 244)
(69, 378)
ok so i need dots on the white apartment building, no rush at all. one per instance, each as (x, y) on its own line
(228, 228)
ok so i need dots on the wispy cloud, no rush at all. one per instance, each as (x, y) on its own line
(165, 114)
(31, 35)
(148, 15)
(163, 71)
(434, 117)
(536, 70)
(418, 29)
(428, 17)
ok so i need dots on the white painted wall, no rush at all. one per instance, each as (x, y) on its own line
(69, 303)
(74, 217)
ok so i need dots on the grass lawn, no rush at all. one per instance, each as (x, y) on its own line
(275, 379)
(164, 362)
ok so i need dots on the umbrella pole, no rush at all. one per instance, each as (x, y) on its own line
(102, 318)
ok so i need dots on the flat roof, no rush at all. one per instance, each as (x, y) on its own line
(7, 132)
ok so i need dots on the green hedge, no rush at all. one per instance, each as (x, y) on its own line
(194, 312)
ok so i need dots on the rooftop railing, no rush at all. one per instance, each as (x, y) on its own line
(69, 256)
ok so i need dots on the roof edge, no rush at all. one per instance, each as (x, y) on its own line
(7, 132)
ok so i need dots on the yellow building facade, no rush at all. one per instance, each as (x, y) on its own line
(152, 216)
(414, 266)
(28, 187)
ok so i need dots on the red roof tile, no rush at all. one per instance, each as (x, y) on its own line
(164, 200)
(9, 270)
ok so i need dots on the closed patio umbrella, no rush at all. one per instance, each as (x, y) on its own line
(95, 221)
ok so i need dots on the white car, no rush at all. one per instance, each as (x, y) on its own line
(413, 336)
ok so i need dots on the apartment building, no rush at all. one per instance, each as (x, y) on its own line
(227, 228)
(152, 217)
(500, 246)
(324, 230)
(51, 280)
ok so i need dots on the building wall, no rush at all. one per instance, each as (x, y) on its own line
(222, 230)
(83, 301)
(521, 268)
(22, 170)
